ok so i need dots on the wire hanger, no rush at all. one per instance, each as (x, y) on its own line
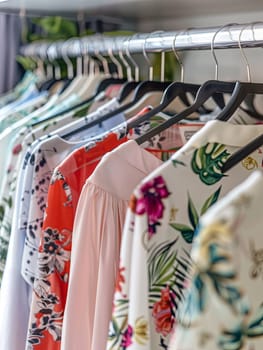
(129, 86)
(114, 59)
(149, 85)
(79, 81)
(183, 97)
(250, 99)
(132, 60)
(67, 60)
(242, 89)
(245, 151)
(177, 89)
(48, 73)
(40, 67)
(105, 83)
(141, 90)
(209, 89)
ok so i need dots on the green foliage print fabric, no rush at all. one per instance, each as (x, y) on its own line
(223, 307)
(162, 223)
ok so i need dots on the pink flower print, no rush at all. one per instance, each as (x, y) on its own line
(17, 149)
(151, 202)
(127, 338)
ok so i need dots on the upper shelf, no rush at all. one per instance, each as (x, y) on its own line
(136, 9)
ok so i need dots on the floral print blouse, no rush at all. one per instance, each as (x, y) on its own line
(21, 143)
(102, 207)
(44, 156)
(67, 182)
(223, 308)
(53, 262)
(155, 261)
(9, 180)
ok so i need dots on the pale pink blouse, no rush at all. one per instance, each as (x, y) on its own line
(96, 242)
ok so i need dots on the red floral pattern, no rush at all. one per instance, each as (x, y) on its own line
(120, 279)
(162, 313)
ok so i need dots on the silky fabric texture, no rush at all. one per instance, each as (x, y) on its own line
(51, 283)
(104, 201)
(157, 240)
(96, 242)
(223, 308)
(46, 158)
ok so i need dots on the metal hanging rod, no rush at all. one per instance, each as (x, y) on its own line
(189, 39)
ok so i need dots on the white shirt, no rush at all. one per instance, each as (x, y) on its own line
(223, 307)
(160, 224)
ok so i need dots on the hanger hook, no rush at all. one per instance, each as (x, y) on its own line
(102, 59)
(213, 46)
(87, 58)
(93, 65)
(136, 67)
(80, 57)
(162, 58)
(70, 69)
(243, 53)
(40, 68)
(49, 68)
(177, 57)
(149, 63)
(150, 66)
(242, 50)
(57, 68)
(253, 28)
(125, 62)
(114, 59)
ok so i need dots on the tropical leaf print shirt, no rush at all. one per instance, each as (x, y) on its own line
(164, 213)
(223, 308)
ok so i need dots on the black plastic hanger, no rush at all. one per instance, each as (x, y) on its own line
(242, 90)
(174, 90)
(251, 109)
(65, 86)
(70, 109)
(142, 89)
(242, 153)
(127, 88)
(46, 85)
(102, 86)
(105, 83)
(211, 88)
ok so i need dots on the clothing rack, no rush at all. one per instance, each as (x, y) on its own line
(228, 36)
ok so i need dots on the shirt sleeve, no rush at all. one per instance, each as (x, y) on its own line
(95, 258)
(144, 311)
(118, 327)
(50, 286)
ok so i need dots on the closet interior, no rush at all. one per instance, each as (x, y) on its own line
(131, 179)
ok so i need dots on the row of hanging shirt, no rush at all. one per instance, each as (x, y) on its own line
(100, 209)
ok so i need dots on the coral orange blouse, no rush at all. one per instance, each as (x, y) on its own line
(51, 283)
